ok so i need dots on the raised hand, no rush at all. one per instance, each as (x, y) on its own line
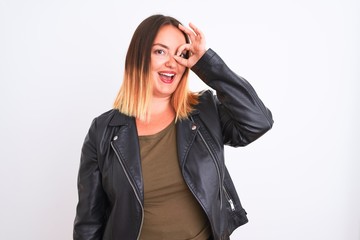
(196, 47)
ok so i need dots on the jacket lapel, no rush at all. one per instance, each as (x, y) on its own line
(127, 147)
(126, 144)
(185, 134)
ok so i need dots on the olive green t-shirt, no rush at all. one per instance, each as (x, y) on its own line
(170, 210)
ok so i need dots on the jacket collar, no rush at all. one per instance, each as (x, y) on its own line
(119, 119)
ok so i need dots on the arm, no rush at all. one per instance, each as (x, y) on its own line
(90, 213)
(244, 117)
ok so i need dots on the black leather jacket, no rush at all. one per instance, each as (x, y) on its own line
(110, 187)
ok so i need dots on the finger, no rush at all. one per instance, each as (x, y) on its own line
(184, 47)
(196, 30)
(188, 32)
(185, 29)
(181, 60)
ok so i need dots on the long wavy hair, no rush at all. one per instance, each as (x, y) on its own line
(134, 96)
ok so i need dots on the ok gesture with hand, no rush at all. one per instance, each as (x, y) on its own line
(196, 47)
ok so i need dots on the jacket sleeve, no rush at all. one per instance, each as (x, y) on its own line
(91, 208)
(243, 116)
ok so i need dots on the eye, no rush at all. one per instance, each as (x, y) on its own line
(184, 55)
(160, 52)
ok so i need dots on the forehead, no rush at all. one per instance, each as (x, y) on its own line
(170, 36)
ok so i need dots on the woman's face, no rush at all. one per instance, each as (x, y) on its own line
(166, 73)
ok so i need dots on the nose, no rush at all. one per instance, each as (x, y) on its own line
(171, 62)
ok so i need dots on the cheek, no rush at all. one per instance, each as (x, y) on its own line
(156, 62)
(155, 65)
(181, 70)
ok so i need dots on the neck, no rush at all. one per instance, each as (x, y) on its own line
(161, 114)
(159, 106)
(160, 110)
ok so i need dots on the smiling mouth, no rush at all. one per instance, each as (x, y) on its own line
(167, 77)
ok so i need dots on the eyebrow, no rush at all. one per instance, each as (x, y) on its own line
(160, 44)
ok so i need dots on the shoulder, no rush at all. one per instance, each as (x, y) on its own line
(104, 117)
(207, 112)
(206, 99)
(112, 117)
(103, 126)
(208, 105)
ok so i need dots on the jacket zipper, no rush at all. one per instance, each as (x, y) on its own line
(132, 186)
(228, 198)
(232, 206)
(216, 164)
(193, 193)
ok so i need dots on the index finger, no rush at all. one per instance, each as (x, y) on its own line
(196, 30)
(186, 30)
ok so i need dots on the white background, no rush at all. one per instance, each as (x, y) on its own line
(61, 64)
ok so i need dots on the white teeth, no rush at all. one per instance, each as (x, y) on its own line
(167, 74)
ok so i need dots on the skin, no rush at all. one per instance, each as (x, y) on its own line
(167, 67)
(163, 64)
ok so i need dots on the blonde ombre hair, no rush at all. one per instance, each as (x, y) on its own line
(134, 96)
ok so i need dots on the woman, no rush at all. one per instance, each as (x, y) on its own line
(153, 167)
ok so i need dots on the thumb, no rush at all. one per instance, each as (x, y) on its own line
(181, 61)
